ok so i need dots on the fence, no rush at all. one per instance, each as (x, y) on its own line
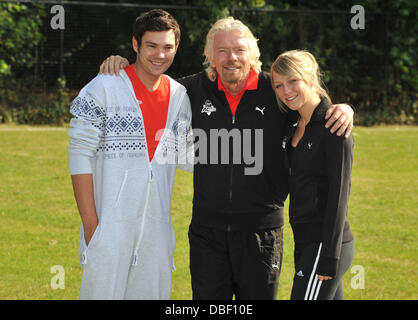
(355, 62)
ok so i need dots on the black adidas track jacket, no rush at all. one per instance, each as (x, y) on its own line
(320, 187)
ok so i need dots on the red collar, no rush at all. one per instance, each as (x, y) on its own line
(251, 84)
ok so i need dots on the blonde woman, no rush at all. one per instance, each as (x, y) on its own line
(320, 167)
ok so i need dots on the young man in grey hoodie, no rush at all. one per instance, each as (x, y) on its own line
(125, 139)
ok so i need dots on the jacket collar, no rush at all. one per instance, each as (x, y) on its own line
(251, 83)
(318, 115)
(320, 110)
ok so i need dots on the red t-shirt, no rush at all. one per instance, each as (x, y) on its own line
(153, 105)
(251, 84)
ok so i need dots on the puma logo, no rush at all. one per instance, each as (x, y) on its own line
(261, 110)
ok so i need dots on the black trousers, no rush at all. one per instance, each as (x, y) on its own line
(245, 263)
(306, 286)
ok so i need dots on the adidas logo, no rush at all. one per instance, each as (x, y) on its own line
(300, 273)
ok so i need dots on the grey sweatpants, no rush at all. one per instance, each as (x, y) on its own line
(107, 262)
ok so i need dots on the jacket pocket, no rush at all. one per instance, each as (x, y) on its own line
(121, 188)
(269, 249)
(94, 237)
(84, 248)
(130, 198)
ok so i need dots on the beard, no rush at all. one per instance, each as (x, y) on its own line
(234, 77)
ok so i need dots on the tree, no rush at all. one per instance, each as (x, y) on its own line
(19, 35)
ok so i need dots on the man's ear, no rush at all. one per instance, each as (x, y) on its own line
(135, 44)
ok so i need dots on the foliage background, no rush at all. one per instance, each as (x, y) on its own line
(374, 69)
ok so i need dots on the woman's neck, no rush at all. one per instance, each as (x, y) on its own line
(305, 112)
(308, 109)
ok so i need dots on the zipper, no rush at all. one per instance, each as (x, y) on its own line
(150, 178)
(231, 178)
(141, 233)
(151, 174)
(232, 169)
(230, 184)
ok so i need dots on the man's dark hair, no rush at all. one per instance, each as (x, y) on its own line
(155, 20)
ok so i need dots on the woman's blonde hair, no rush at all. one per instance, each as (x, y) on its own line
(230, 24)
(302, 65)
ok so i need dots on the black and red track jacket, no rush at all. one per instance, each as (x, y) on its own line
(224, 196)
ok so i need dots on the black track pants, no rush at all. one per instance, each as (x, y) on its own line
(306, 285)
(244, 263)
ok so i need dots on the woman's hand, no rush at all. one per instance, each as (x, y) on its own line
(113, 64)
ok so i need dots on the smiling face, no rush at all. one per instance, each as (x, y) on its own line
(231, 56)
(155, 54)
(293, 92)
(296, 79)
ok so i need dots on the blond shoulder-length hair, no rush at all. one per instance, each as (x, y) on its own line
(230, 24)
(302, 65)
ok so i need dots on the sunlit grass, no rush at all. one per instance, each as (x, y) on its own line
(39, 222)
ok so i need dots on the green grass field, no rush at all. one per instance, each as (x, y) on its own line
(39, 222)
